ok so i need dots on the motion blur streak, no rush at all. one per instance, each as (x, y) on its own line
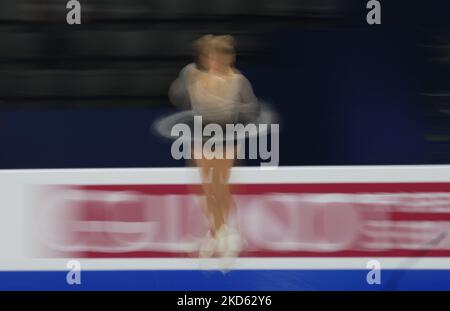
(127, 50)
(157, 220)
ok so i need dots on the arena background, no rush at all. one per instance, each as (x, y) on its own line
(350, 95)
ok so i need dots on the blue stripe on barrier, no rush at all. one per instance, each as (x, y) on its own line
(234, 280)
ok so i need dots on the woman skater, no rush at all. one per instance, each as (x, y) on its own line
(220, 94)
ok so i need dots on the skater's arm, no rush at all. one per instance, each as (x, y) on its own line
(178, 91)
(249, 106)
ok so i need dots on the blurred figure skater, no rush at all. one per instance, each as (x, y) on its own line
(215, 90)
